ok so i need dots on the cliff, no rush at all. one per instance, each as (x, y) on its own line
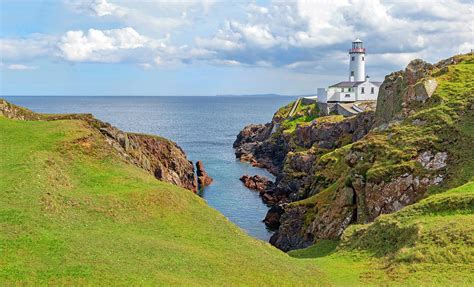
(159, 156)
(333, 172)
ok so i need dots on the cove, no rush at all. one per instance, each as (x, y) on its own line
(205, 127)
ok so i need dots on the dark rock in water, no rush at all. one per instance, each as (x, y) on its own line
(257, 182)
(203, 179)
(263, 185)
(272, 219)
(268, 198)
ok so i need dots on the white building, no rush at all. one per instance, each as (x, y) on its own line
(358, 88)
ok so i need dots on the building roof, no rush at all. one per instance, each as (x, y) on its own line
(347, 84)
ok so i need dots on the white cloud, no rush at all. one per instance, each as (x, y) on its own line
(252, 8)
(145, 66)
(255, 35)
(104, 8)
(466, 47)
(226, 62)
(100, 45)
(264, 64)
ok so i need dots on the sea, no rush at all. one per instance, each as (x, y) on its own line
(204, 126)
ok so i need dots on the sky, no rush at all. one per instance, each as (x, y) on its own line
(208, 47)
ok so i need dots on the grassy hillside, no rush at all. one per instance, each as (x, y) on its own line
(73, 212)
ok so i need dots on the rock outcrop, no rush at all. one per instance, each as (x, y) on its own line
(252, 146)
(403, 92)
(159, 156)
(203, 179)
(264, 186)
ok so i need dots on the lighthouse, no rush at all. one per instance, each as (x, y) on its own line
(357, 62)
(358, 89)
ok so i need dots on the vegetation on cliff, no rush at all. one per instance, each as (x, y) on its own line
(340, 177)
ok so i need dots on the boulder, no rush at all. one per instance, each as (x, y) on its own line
(257, 183)
(432, 161)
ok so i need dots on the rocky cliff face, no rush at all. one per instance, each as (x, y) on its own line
(160, 157)
(333, 172)
(402, 91)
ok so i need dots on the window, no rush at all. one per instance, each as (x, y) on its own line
(352, 58)
(372, 90)
(352, 73)
(348, 95)
(342, 89)
(349, 89)
(362, 90)
(363, 58)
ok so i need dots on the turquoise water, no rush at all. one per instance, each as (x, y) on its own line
(205, 127)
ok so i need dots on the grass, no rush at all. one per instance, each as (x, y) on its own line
(304, 114)
(323, 247)
(73, 213)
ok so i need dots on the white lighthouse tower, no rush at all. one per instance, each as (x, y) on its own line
(357, 62)
(341, 97)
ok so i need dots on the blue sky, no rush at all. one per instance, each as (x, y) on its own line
(208, 47)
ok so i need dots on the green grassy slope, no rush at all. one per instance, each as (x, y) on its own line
(73, 213)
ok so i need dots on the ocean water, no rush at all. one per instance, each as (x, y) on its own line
(205, 127)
